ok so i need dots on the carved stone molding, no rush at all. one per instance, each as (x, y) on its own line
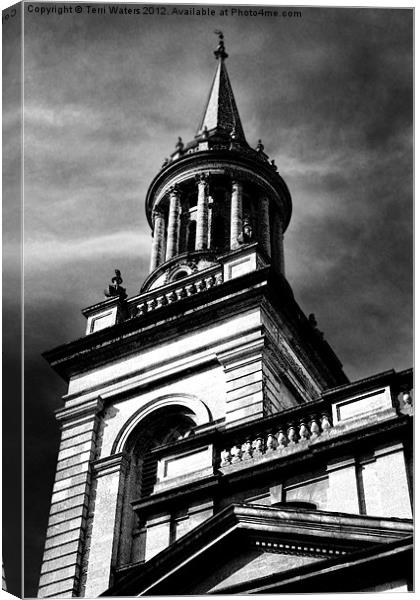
(304, 549)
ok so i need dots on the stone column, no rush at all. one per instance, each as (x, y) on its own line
(264, 225)
(173, 222)
(158, 239)
(202, 212)
(236, 214)
(277, 243)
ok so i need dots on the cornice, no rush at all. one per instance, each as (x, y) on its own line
(362, 568)
(221, 162)
(79, 413)
(232, 295)
(247, 522)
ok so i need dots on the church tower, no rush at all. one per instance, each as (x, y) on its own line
(175, 395)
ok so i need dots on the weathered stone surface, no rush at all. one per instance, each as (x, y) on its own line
(60, 589)
(63, 533)
(75, 450)
(68, 518)
(75, 430)
(61, 562)
(70, 471)
(385, 484)
(69, 492)
(157, 537)
(63, 549)
(59, 574)
(76, 440)
(76, 459)
(62, 505)
(342, 489)
(71, 481)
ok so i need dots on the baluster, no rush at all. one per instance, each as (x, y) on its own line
(303, 432)
(209, 282)
(258, 446)
(247, 450)
(236, 454)
(271, 442)
(181, 293)
(282, 439)
(151, 304)
(325, 422)
(225, 458)
(200, 285)
(291, 434)
(218, 279)
(315, 430)
(142, 308)
(161, 301)
(406, 398)
(172, 297)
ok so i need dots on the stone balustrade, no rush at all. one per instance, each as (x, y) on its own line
(295, 430)
(175, 292)
(287, 437)
(303, 427)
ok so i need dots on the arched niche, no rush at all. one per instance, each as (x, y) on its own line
(162, 421)
(201, 415)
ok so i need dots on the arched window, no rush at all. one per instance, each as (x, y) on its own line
(179, 275)
(161, 427)
(164, 421)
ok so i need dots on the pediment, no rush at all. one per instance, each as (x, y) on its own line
(248, 564)
(245, 544)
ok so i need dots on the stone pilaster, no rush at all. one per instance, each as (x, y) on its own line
(264, 236)
(158, 245)
(63, 553)
(202, 212)
(109, 474)
(236, 214)
(277, 244)
(243, 367)
(173, 222)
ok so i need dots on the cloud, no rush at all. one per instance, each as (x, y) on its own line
(330, 95)
(54, 253)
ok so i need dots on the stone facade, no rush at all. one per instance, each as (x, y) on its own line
(210, 411)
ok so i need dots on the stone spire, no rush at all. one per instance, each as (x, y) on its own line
(221, 114)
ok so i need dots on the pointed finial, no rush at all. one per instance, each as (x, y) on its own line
(220, 51)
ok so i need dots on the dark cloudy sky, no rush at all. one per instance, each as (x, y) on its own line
(106, 97)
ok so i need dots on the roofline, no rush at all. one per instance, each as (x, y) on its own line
(246, 517)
